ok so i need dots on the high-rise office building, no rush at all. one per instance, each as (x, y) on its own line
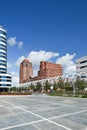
(81, 67)
(5, 79)
(26, 71)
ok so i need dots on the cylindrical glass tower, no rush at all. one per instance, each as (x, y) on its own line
(5, 79)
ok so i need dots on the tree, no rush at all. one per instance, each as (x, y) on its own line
(55, 86)
(68, 86)
(61, 83)
(32, 87)
(80, 83)
(13, 89)
(38, 86)
(47, 85)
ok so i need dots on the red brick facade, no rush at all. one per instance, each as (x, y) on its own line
(26, 71)
(46, 70)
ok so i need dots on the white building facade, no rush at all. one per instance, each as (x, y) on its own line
(81, 67)
(5, 79)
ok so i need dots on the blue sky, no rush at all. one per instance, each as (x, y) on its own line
(51, 30)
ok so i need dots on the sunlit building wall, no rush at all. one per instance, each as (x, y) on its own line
(81, 67)
(26, 71)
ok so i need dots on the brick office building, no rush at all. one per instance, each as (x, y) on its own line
(48, 69)
(26, 71)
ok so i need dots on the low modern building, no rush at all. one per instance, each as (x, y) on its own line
(26, 71)
(81, 67)
(5, 79)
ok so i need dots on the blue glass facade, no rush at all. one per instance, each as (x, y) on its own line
(5, 79)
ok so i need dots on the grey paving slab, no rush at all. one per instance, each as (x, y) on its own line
(57, 112)
(40, 112)
(74, 122)
(28, 127)
(45, 125)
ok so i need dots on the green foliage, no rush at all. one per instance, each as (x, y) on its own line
(47, 85)
(13, 88)
(38, 86)
(55, 94)
(84, 96)
(61, 83)
(68, 86)
(80, 84)
(32, 87)
(55, 86)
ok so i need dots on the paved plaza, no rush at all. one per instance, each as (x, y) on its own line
(41, 112)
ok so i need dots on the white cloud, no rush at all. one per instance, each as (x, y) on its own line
(15, 78)
(35, 71)
(9, 65)
(19, 60)
(68, 64)
(12, 42)
(36, 57)
(20, 44)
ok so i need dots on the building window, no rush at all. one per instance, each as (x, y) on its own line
(83, 67)
(83, 62)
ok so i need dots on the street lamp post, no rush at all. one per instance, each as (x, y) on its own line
(51, 88)
(74, 89)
